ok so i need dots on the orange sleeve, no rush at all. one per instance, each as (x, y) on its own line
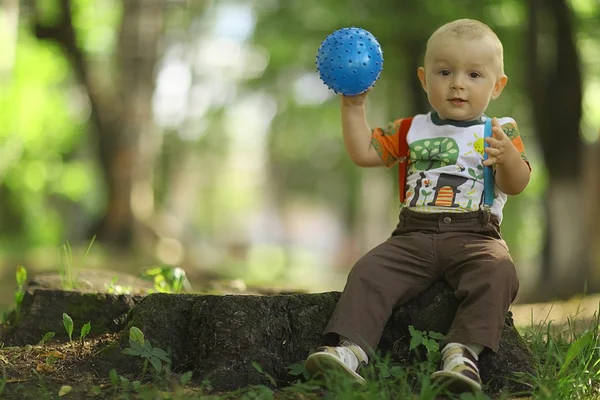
(512, 131)
(385, 142)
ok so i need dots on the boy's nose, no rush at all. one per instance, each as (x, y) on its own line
(457, 83)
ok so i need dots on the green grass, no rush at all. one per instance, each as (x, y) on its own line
(567, 367)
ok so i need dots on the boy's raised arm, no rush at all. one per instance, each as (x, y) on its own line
(357, 133)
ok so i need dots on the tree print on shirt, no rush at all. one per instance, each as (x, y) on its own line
(429, 154)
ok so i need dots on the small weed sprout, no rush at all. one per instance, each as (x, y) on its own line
(68, 269)
(141, 347)
(265, 374)
(168, 279)
(112, 287)
(298, 369)
(428, 340)
(47, 337)
(68, 324)
(21, 276)
(85, 330)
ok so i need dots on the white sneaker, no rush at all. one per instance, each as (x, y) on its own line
(459, 369)
(345, 359)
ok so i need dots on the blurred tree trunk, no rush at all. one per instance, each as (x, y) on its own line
(121, 112)
(555, 79)
(592, 179)
(9, 24)
(12, 215)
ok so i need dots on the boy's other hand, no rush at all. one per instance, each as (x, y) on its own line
(500, 147)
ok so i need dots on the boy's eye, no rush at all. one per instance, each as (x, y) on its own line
(474, 75)
(444, 72)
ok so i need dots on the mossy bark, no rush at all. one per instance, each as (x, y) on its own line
(42, 309)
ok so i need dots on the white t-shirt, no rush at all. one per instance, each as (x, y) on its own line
(445, 171)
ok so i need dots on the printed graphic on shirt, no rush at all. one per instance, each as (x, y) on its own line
(430, 154)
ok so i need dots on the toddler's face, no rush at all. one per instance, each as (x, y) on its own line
(461, 76)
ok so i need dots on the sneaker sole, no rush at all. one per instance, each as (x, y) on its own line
(320, 363)
(457, 383)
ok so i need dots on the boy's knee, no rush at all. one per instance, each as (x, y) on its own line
(363, 269)
(506, 274)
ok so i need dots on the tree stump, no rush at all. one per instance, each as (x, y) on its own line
(218, 337)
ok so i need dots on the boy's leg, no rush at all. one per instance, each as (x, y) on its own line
(391, 273)
(482, 274)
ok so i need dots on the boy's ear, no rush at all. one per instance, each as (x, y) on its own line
(421, 75)
(499, 86)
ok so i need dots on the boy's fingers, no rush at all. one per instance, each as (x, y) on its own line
(489, 162)
(497, 132)
(492, 142)
(492, 151)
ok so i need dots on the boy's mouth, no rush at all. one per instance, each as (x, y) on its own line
(457, 100)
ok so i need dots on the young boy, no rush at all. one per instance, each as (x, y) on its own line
(444, 232)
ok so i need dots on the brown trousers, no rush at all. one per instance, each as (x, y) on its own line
(465, 249)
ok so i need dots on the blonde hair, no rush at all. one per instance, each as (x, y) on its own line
(468, 29)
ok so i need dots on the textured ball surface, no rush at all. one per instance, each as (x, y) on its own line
(349, 61)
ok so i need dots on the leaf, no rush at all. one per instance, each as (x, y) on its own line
(131, 352)
(185, 378)
(576, 349)
(68, 324)
(136, 346)
(436, 335)
(397, 372)
(64, 390)
(147, 346)
(257, 367)
(136, 335)
(160, 353)
(85, 329)
(47, 336)
(156, 364)
(124, 383)
(472, 173)
(21, 276)
(153, 271)
(416, 338)
(383, 370)
(431, 345)
(296, 369)
(114, 378)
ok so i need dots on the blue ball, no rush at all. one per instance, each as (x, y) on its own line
(349, 61)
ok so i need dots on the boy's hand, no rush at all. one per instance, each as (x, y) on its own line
(357, 100)
(500, 147)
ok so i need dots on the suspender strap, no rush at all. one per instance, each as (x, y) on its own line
(488, 173)
(403, 152)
